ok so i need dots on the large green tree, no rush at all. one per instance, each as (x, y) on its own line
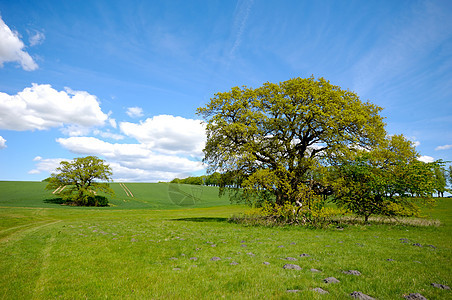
(270, 139)
(79, 181)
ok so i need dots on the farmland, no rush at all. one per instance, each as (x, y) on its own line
(175, 241)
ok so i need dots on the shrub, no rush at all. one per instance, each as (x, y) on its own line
(87, 201)
(271, 214)
(405, 210)
(97, 201)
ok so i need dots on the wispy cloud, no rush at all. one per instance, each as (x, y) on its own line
(37, 38)
(404, 47)
(243, 10)
(108, 135)
(445, 147)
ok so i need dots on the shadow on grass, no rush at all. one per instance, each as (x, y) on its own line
(202, 219)
(96, 201)
(54, 200)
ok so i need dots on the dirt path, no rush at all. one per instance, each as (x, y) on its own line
(126, 189)
(121, 185)
(59, 189)
(41, 282)
(131, 195)
(23, 230)
(56, 190)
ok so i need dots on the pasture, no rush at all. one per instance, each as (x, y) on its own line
(175, 242)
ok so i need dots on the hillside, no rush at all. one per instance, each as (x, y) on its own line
(133, 196)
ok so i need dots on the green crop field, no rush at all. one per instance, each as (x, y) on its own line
(175, 242)
(139, 195)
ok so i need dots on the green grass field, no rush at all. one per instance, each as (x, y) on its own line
(160, 243)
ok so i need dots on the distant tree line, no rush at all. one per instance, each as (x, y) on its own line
(208, 180)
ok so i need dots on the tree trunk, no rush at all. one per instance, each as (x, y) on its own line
(366, 218)
(278, 199)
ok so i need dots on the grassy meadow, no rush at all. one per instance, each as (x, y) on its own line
(160, 244)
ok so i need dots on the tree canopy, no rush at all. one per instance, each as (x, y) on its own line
(82, 179)
(270, 139)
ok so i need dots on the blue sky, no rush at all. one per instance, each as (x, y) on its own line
(122, 79)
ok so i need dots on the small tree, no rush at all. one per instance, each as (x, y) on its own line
(82, 179)
(386, 180)
(449, 176)
(440, 180)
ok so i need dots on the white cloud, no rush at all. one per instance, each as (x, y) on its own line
(94, 146)
(42, 107)
(11, 49)
(121, 173)
(165, 163)
(46, 165)
(168, 134)
(133, 162)
(413, 141)
(37, 38)
(134, 112)
(445, 147)
(167, 147)
(2, 142)
(426, 159)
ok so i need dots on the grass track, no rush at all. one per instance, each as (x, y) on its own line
(135, 251)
